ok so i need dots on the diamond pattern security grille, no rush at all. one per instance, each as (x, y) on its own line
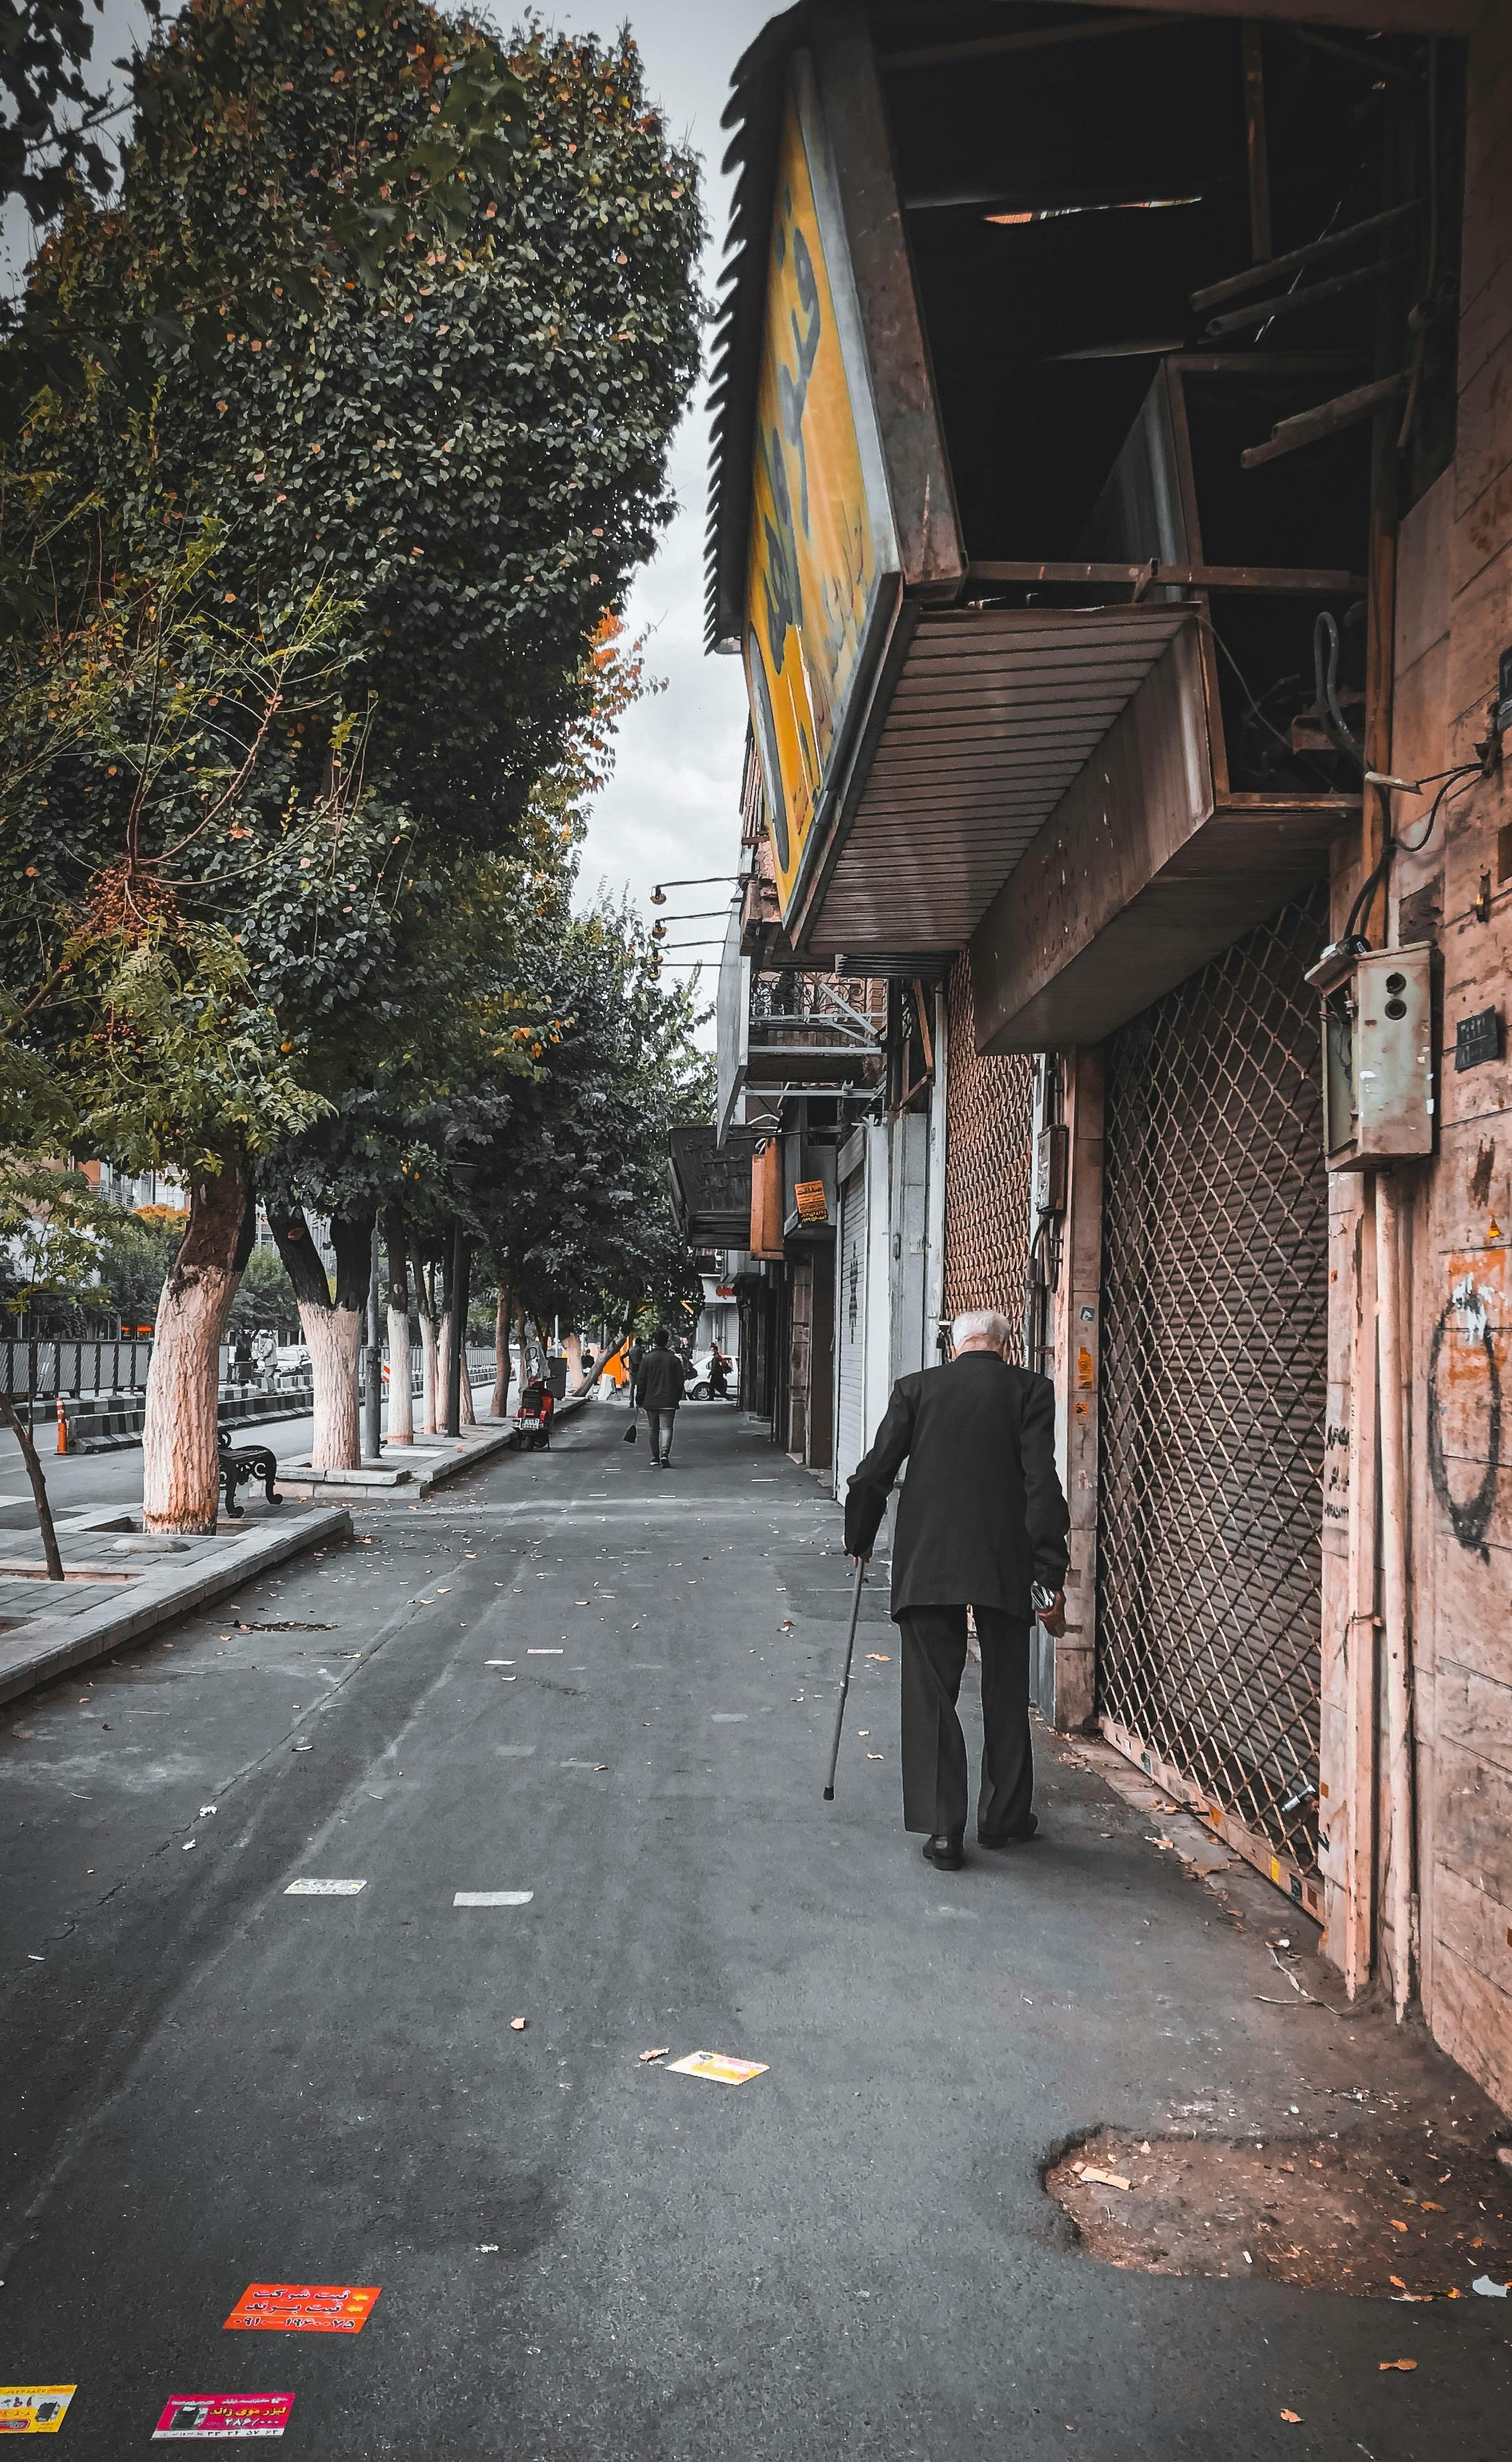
(1215, 1309)
(989, 1123)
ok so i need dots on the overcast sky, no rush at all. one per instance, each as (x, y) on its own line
(672, 807)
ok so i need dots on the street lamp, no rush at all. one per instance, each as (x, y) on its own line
(709, 880)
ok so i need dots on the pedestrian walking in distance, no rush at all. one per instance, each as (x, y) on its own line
(660, 1383)
(635, 1361)
(981, 1520)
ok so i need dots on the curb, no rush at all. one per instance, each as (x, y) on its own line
(451, 1465)
(157, 1597)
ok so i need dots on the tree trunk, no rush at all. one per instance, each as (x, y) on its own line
(401, 1401)
(466, 1412)
(51, 1554)
(424, 1279)
(572, 1344)
(335, 1336)
(180, 1470)
(332, 1328)
(500, 1405)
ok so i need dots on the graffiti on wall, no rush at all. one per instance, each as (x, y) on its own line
(1465, 1363)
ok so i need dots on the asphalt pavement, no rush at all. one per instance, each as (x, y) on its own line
(601, 1695)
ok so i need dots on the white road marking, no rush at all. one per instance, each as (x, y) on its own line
(493, 1897)
(324, 1889)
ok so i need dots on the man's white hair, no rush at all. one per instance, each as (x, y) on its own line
(981, 1325)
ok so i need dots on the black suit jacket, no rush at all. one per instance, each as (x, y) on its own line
(981, 1513)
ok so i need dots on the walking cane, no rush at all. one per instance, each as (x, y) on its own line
(845, 1680)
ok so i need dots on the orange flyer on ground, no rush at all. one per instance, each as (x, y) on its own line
(301, 2309)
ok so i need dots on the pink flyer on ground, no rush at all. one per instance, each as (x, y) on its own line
(224, 2414)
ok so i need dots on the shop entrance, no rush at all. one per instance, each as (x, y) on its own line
(1215, 1310)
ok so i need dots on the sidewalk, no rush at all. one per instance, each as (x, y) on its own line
(120, 1582)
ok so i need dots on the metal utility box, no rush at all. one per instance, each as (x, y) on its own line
(1052, 1150)
(1378, 1055)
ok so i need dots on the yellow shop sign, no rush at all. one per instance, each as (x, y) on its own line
(823, 558)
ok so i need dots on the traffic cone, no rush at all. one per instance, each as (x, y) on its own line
(62, 1427)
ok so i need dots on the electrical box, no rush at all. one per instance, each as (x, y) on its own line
(1051, 1157)
(1377, 1054)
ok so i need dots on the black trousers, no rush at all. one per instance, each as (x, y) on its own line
(933, 1746)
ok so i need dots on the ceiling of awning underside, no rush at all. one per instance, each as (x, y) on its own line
(993, 714)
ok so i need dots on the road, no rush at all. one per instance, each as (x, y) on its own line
(612, 1688)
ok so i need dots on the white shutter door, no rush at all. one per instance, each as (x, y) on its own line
(850, 1331)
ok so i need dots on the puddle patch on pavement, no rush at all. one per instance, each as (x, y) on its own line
(1378, 2213)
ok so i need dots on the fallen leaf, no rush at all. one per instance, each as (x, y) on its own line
(1106, 2179)
(1397, 2279)
(874, 1757)
(881, 1658)
(1396, 2226)
(660, 2054)
(1293, 2415)
(1429, 2207)
(1406, 2366)
(518, 2024)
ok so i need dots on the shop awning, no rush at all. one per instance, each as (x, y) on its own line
(992, 715)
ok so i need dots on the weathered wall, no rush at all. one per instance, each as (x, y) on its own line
(1454, 617)
(987, 1162)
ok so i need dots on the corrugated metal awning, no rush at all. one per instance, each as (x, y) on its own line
(991, 716)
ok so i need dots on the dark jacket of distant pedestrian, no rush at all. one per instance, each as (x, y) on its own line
(658, 1390)
(660, 1380)
(981, 1517)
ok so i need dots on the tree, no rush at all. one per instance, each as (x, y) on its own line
(474, 449)
(52, 122)
(418, 491)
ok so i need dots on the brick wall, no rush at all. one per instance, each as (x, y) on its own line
(987, 1162)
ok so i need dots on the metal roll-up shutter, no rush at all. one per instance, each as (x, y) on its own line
(849, 1330)
(1215, 1319)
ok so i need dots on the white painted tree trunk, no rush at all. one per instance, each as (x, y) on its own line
(401, 1401)
(430, 1359)
(572, 1344)
(334, 1338)
(443, 1369)
(467, 1417)
(181, 1471)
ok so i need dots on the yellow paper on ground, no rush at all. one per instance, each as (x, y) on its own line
(34, 2410)
(719, 2067)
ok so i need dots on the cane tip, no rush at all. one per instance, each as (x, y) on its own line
(829, 1795)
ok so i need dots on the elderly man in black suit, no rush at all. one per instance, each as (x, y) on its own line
(981, 1520)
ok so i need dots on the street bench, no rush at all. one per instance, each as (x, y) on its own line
(246, 1462)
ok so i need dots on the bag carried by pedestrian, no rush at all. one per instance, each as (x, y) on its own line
(631, 1434)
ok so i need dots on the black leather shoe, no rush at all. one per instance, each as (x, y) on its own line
(1012, 1837)
(944, 1853)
